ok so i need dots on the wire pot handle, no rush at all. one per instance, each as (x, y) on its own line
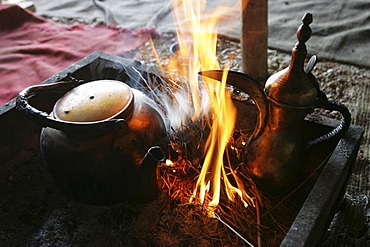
(45, 120)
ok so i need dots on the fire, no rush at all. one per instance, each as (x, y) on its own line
(223, 115)
(197, 46)
(197, 51)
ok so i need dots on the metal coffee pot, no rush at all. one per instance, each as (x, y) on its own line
(102, 141)
(272, 157)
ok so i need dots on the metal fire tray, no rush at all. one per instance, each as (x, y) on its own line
(20, 143)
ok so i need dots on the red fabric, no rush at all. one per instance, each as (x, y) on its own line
(32, 48)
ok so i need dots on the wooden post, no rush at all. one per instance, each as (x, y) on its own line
(254, 38)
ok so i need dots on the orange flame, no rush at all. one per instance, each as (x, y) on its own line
(223, 115)
(197, 46)
(197, 51)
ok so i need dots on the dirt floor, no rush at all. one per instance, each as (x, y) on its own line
(34, 212)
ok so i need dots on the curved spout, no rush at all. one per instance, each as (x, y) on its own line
(152, 157)
(150, 181)
(250, 86)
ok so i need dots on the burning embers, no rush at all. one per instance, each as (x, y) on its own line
(271, 154)
(209, 102)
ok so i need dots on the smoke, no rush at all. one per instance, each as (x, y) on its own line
(178, 106)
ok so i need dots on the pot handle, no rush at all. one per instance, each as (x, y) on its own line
(248, 85)
(332, 105)
(45, 120)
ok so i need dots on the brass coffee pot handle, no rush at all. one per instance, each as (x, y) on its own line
(329, 104)
(332, 105)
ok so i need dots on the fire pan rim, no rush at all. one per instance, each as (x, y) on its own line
(321, 204)
(312, 221)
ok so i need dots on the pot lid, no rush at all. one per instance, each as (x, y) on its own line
(95, 101)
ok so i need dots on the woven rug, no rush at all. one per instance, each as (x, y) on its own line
(34, 48)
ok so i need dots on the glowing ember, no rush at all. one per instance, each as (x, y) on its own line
(197, 51)
(169, 162)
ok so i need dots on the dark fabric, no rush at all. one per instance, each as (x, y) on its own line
(341, 28)
(341, 31)
(33, 48)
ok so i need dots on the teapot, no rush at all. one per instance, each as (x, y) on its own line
(102, 142)
(272, 156)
